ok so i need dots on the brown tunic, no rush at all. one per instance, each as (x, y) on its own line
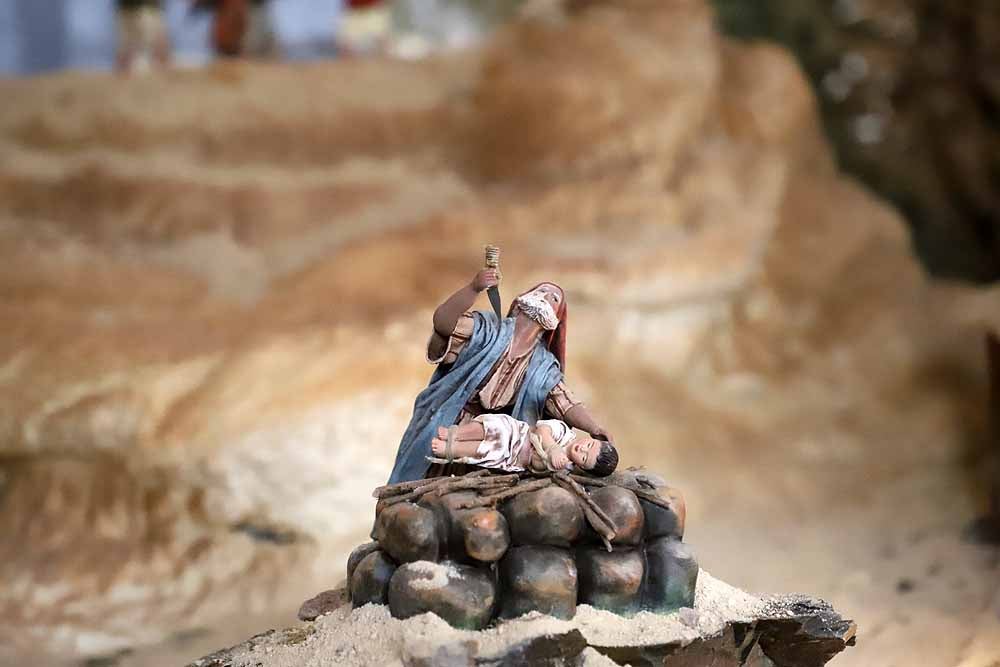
(498, 392)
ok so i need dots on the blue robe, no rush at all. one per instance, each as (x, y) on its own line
(453, 385)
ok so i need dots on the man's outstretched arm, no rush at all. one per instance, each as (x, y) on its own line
(580, 417)
(447, 314)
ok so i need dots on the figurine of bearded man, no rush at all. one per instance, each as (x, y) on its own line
(486, 365)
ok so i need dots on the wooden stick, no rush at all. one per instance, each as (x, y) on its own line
(494, 498)
(654, 497)
(430, 485)
(443, 485)
(583, 495)
(484, 483)
(404, 487)
(591, 517)
(636, 488)
(587, 481)
(645, 481)
(600, 527)
(605, 529)
(415, 493)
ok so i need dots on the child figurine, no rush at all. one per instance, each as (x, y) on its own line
(501, 442)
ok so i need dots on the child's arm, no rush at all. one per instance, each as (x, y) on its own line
(557, 458)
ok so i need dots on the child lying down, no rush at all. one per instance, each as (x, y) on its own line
(501, 442)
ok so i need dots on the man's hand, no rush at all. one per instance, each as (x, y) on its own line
(447, 314)
(601, 434)
(579, 417)
(485, 279)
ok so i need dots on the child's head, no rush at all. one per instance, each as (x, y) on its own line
(598, 457)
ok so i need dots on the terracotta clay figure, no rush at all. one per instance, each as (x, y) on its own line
(487, 365)
(501, 442)
(142, 35)
(240, 27)
(364, 27)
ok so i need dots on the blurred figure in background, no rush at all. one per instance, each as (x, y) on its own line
(422, 27)
(142, 36)
(240, 28)
(364, 28)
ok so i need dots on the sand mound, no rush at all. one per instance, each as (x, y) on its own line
(369, 635)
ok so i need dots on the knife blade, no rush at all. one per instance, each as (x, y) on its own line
(493, 262)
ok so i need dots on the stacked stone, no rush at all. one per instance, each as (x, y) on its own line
(480, 547)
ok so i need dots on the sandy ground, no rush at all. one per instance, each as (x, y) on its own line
(370, 636)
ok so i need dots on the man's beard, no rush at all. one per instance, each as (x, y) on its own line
(534, 305)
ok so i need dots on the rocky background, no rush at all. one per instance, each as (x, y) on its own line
(215, 289)
(910, 96)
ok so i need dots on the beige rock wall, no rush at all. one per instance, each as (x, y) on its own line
(215, 287)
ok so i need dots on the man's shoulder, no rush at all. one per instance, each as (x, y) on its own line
(544, 356)
(483, 318)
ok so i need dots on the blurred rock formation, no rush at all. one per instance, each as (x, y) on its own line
(215, 288)
(910, 93)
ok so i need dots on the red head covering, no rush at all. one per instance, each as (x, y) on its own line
(229, 27)
(555, 340)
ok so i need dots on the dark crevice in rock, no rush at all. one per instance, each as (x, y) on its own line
(561, 649)
(106, 660)
(266, 533)
(908, 97)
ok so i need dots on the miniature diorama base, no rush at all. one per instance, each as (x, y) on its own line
(481, 547)
(726, 627)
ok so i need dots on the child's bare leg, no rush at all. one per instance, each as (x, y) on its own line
(473, 431)
(467, 439)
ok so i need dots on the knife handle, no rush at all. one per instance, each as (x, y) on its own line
(492, 257)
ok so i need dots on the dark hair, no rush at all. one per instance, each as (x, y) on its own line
(607, 460)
